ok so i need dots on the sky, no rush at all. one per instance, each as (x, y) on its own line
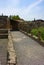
(26, 9)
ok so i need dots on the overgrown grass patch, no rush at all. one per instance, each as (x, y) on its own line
(37, 31)
(34, 32)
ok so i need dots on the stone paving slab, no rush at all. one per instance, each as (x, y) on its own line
(3, 51)
(28, 51)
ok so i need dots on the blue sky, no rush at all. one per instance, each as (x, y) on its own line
(26, 9)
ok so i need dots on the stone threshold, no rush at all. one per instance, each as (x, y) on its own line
(12, 54)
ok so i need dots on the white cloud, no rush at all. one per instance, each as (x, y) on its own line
(23, 12)
(28, 11)
(30, 7)
(13, 3)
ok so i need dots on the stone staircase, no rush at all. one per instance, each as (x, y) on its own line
(3, 33)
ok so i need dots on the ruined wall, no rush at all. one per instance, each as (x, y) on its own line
(4, 22)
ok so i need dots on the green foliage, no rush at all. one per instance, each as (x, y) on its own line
(41, 29)
(36, 31)
(15, 17)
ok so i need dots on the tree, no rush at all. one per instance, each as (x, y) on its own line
(15, 17)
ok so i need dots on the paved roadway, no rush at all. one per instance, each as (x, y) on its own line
(28, 51)
(3, 51)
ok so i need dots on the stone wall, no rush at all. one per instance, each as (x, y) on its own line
(4, 26)
(4, 22)
(28, 26)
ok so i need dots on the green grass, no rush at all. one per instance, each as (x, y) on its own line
(39, 30)
(34, 32)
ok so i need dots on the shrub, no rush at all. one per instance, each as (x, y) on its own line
(34, 32)
(41, 29)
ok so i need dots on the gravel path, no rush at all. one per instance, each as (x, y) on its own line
(28, 51)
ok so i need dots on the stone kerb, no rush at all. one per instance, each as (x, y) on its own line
(11, 51)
